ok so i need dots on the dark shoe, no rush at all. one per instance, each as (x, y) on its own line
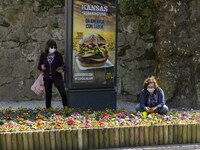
(1, 123)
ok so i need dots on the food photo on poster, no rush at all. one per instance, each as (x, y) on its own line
(93, 52)
(94, 41)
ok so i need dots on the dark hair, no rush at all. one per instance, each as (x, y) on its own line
(150, 80)
(50, 43)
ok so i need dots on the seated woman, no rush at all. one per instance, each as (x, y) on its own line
(152, 98)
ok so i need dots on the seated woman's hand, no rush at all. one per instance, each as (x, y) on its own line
(148, 109)
(152, 110)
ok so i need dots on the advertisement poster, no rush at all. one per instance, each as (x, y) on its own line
(94, 42)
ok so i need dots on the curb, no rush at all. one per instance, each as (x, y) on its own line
(162, 147)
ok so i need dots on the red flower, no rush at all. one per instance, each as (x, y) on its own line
(106, 116)
(58, 113)
(70, 121)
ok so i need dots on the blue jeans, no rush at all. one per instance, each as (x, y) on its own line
(163, 110)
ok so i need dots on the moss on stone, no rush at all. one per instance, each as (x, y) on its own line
(144, 25)
(142, 8)
(147, 12)
(45, 5)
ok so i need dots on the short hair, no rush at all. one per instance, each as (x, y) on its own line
(150, 80)
(50, 43)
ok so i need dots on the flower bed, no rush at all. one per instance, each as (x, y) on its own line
(24, 119)
(74, 129)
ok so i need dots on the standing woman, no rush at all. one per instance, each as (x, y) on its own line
(52, 65)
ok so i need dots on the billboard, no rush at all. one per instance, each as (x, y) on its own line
(94, 43)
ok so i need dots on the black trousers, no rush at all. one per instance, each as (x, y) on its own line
(48, 90)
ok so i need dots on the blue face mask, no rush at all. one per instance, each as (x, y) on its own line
(150, 90)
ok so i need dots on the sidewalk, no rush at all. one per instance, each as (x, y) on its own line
(128, 106)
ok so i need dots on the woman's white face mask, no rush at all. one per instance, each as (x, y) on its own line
(52, 50)
(150, 90)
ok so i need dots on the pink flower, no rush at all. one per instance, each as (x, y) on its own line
(121, 115)
(198, 118)
(10, 125)
(75, 113)
(101, 122)
(87, 124)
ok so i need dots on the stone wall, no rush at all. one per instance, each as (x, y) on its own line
(167, 48)
(25, 26)
(155, 37)
(177, 51)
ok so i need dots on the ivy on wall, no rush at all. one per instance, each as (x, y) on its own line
(144, 9)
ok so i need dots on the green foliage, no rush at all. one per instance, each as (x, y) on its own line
(144, 25)
(53, 25)
(45, 5)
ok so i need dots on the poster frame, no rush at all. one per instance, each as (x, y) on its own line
(69, 74)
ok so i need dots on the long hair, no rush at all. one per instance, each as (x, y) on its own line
(50, 43)
(149, 80)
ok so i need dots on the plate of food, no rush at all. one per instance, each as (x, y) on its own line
(92, 52)
(107, 64)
